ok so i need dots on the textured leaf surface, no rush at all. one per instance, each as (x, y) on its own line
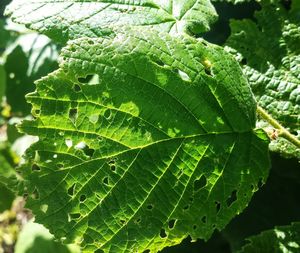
(279, 240)
(270, 55)
(156, 146)
(69, 19)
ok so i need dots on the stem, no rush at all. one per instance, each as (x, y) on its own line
(283, 132)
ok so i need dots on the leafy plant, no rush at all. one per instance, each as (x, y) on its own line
(147, 133)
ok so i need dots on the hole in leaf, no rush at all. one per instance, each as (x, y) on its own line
(77, 88)
(75, 216)
(99, 251)
(184, 76)
(159, 62)
(172, 224)
(207, 71)
(163, 233)
(35, 167)
(186, 207)
(218, 206)
(107, 114)
(94, 118)
(138, 220)
(73, 114)
(35, 195)
(82, 198)
(200, 183)
(195, 227)
(73, 49)
(203, 219)
(88, 151)
(44, 208)
(146, 251)
(36, 112)
(25, 196)
(122, 221)
(232, 198)
(59, 165)
(260, 183)
(150, 207)
(69, 143)
(85, 80)
(71, 190)
(105, 181)
(91, 42)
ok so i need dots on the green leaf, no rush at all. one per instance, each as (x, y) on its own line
(64, 19)
(2, 81)
(279, 240)
(232, 1)
(270, 55)
(34, 238)
(158, 145)
(36, 56)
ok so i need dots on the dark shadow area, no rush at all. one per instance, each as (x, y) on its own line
(220, 30)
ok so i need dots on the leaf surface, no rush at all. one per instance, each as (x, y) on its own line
(144, 139)
(278, 240)
(270, 55)
(69, 19)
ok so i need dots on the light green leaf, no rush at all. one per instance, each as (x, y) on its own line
(2, 81)
(283, 239)
(34, 238)
(270, 54)
(68, 19)
(158, 145)
(232, 1)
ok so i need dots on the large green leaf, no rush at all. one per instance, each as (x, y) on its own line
(270, 54)
(158, 145)
(69, 19)
(283, 239)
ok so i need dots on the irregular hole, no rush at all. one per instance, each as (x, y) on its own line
(44, 208)
(260, 183)
(159, 62)
(218, 206)
(69, 143)
(99, 251)
(82, 198)
(112, 165)
(77, 88)
(184, 76)
(186, 207)
(207, 71)
(200, 183)
(35, 167)
(172, 224)
(138, 220)
(195, 227)
(73, 49)
(107, 114)
(203, 219)
(75, 216)
(85, 80)
(36, 112)
(81, 145)
(88, 151)
(105, 180)
(55, 156)
(35, 195)
(61, 133)
(163, 233)
(150, 207)
(146, 251)
(71, 190)
(59, 165)
(91, 42)
(73, 114)
(232, 198)
(122, 221)
(94, 118)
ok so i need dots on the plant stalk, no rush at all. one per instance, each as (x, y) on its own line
(283, 132)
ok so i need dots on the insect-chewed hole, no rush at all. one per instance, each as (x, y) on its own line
(85, 80)
(163, 233)
(73, 114)
(59, 165)
(138, 220)
(218, 206)
(232, 198)
(88, 151)
(75, 216)
(244, 61)
(82, 198)
(35, 195)
(195, 227)
(73, 49)
(122, 222)
(105, 180)
(260, 183)
(35, 167)
(171, 223)
(184, 76)
(71, 190)
(99, 251)
(146, 251)
(112, 165)
(77, 88)
(208, 71)
(150, 207)
(203, 219)
(91, 42)
(200, 183)
(186, 207)
(107, 114)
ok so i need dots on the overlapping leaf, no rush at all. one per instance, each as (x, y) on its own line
(157, 145)
(279, 240)
(270, 54)
(65, 19)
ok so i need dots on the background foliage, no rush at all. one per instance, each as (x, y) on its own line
(36, 56)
